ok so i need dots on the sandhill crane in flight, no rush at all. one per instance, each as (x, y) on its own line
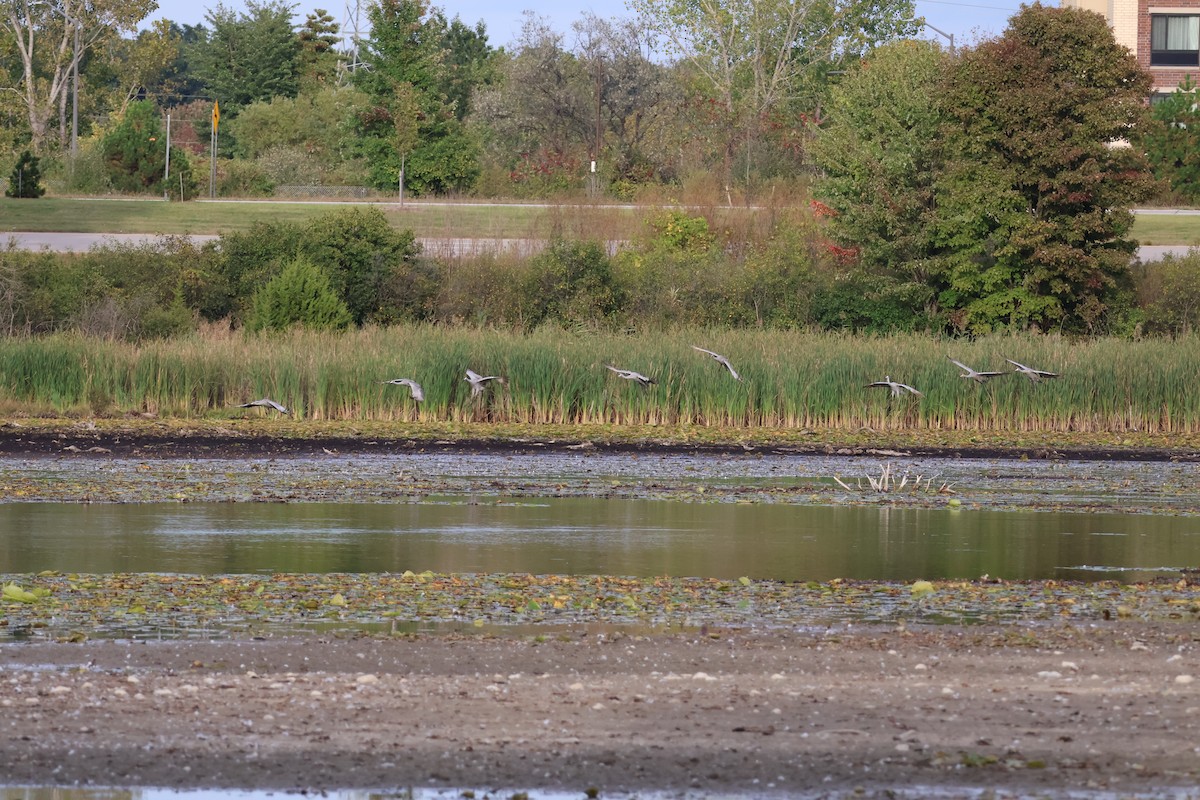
(722, 360)
(630, 375)
(895, 387)
(1034, 375)
(973, 374)
(478, 381)
(266, 402)
(414, 388)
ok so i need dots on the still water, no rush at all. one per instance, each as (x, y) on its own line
(579, 535)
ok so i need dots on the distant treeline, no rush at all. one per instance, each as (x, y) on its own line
(671, 99)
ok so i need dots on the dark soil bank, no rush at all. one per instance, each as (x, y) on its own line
(142, 441)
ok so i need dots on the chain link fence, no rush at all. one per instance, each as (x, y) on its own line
(315, 192)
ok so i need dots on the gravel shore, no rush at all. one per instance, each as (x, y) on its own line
(1107, 709)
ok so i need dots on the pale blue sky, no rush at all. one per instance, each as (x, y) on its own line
(966, 21)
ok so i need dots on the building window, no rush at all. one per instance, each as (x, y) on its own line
(1174, 40)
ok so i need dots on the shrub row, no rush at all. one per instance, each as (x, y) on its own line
(351, 268)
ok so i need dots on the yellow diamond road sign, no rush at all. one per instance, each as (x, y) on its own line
(216, 113)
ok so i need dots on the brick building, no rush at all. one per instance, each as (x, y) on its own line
(1163, 34)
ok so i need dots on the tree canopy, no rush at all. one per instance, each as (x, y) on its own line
(135, 152)
(756, 60)
(999, 183)
(52, 39)
(248, 56)
(882, 154)
(1172, 141)
(414, 120)
(1044, 111)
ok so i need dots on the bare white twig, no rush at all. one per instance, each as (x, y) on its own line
(890, 482)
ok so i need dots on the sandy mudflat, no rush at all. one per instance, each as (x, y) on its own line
(1110, 708)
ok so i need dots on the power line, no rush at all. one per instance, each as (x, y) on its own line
(969, 5)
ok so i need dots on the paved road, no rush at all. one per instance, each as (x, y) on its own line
(1155, 252)
(82, 242)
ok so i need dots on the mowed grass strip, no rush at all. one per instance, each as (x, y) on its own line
(791, 380)
(1167, 229)
(426, 220)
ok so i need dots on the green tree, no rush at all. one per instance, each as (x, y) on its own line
(407, 82)
(300, 295)
(26, 178)
(180, 83)
(135, 151)
(366, 260)
(401, 49)
(1170, 294)
(14, 121)
(317, 60)
(142, 65)
(880, 158)
(468, 63)
(571, 282)
(1034, 205)
(444, 163)
(1172, 141)
(247, 56)
(308, 138)
(248, 259)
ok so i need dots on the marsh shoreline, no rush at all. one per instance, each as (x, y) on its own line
(232, 439)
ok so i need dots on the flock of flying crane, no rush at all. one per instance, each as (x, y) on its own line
(479, 382)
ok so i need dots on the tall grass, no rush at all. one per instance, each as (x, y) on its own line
(790, 379)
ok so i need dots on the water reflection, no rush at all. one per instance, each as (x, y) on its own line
(593, 536)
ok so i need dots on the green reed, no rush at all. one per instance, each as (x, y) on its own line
(790, 379)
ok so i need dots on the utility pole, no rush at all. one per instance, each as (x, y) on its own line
(949, 36)
(167, 169)
(400, 182)
(212, 164)
(593, 179)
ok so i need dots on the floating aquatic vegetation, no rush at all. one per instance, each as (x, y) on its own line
(75, 606)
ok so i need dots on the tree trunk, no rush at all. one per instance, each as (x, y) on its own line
(39, 107)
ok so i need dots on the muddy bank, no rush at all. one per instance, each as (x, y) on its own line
(254, 439)
(1106, 707)
(471, 478)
